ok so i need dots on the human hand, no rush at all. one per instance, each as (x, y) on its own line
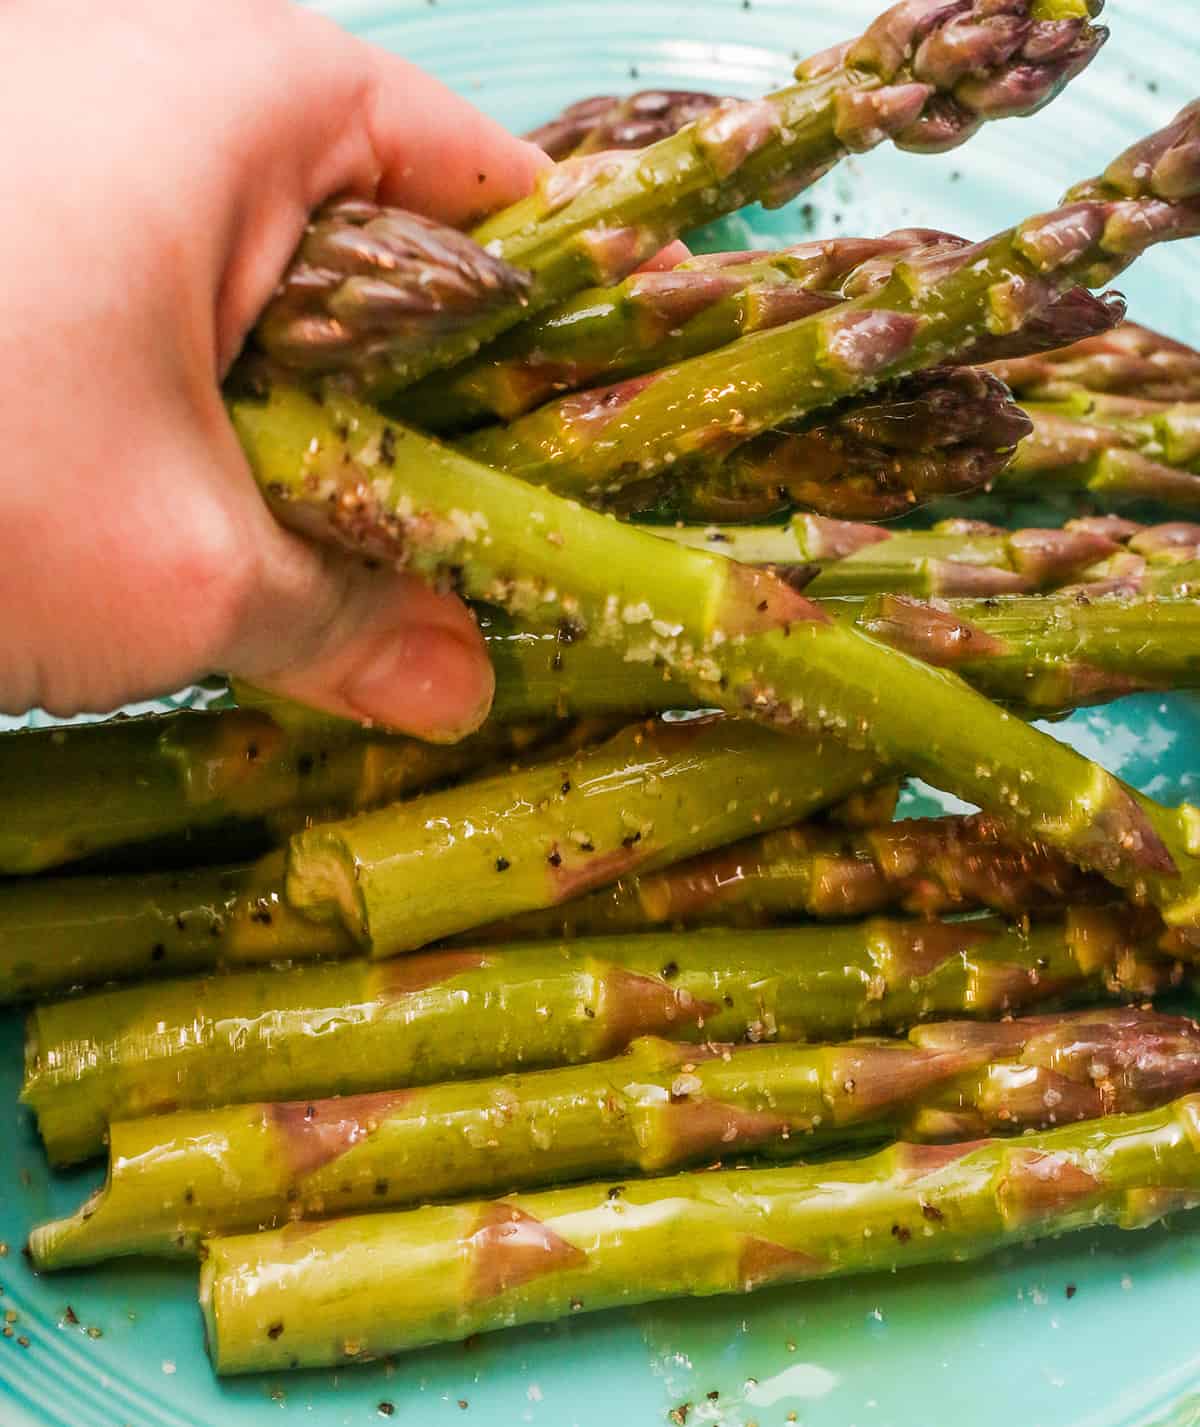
(161, 162)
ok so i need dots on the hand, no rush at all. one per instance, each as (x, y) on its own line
(160, 165)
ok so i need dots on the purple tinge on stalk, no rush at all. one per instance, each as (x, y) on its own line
(368, 282)
(762, 1262)
(630, 1005)
(509, 1247)
(1046, 556)
(315, 1133)
(689, 1126)
(932, 634)
(402, 976)
(826, 539)
(1038, 1185)
(1176, 538)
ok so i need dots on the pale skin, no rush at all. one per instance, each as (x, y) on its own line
(166, 157)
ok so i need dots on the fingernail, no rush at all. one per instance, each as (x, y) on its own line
(427, 682)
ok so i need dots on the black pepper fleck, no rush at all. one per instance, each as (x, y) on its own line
(305, 764)
(387, 446)
(274, 1331)
(901, 1232)
(385, 1409)
(555, 858)
(670, 971)
(1071, 1290)
(502, 864)
(381, 1187)
(158, 952)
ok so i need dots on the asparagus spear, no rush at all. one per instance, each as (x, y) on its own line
(741, 638)
(604, 122)
(353, 1027)
(953, 558)
(651, 320)
(926, 866)
(63, 934)
(68, 793)
(369, 283)
(176, 1180)
(1048, 655)
(929, 308)
(943, 432)
(60, 933)
(1131, 360)
(403, 877)
(925, 75)
(366, 1286)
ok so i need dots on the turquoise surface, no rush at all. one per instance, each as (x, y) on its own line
(987, 1345)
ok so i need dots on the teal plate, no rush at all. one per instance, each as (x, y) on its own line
(1093, 1331)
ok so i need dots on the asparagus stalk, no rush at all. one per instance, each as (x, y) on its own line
(72, 792)
(931, 307)
(953, 558)
(926, 76)
(363, 1287)
(925, 866)
(61, 933)
(354, 1027)
(938, 433)
(652, 320)
(604, 122)
(403, 877)
(740, 638)
(1114, 448)
(176, 1180)
(1130, 359)
(1048, 655)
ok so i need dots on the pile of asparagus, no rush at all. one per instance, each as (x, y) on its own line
(436, 1054)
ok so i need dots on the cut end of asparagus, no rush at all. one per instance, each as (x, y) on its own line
(322, 884)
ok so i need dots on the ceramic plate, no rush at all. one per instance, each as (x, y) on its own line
(1087, 1332)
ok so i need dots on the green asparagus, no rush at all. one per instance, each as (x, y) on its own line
(925, 78)
(1083, 445)
(939, 433)
(742, 639)
(405, 876)
(73, 792)
(954, 558)
(655, 319)
(739, 637)
(363, 1287)
(60, 933)
(352, 1027)
(926, 866)
(175, 1180)
(1048, 655)
(927, 308)
(1132, 360)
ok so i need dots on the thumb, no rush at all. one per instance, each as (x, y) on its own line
(362, 641)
